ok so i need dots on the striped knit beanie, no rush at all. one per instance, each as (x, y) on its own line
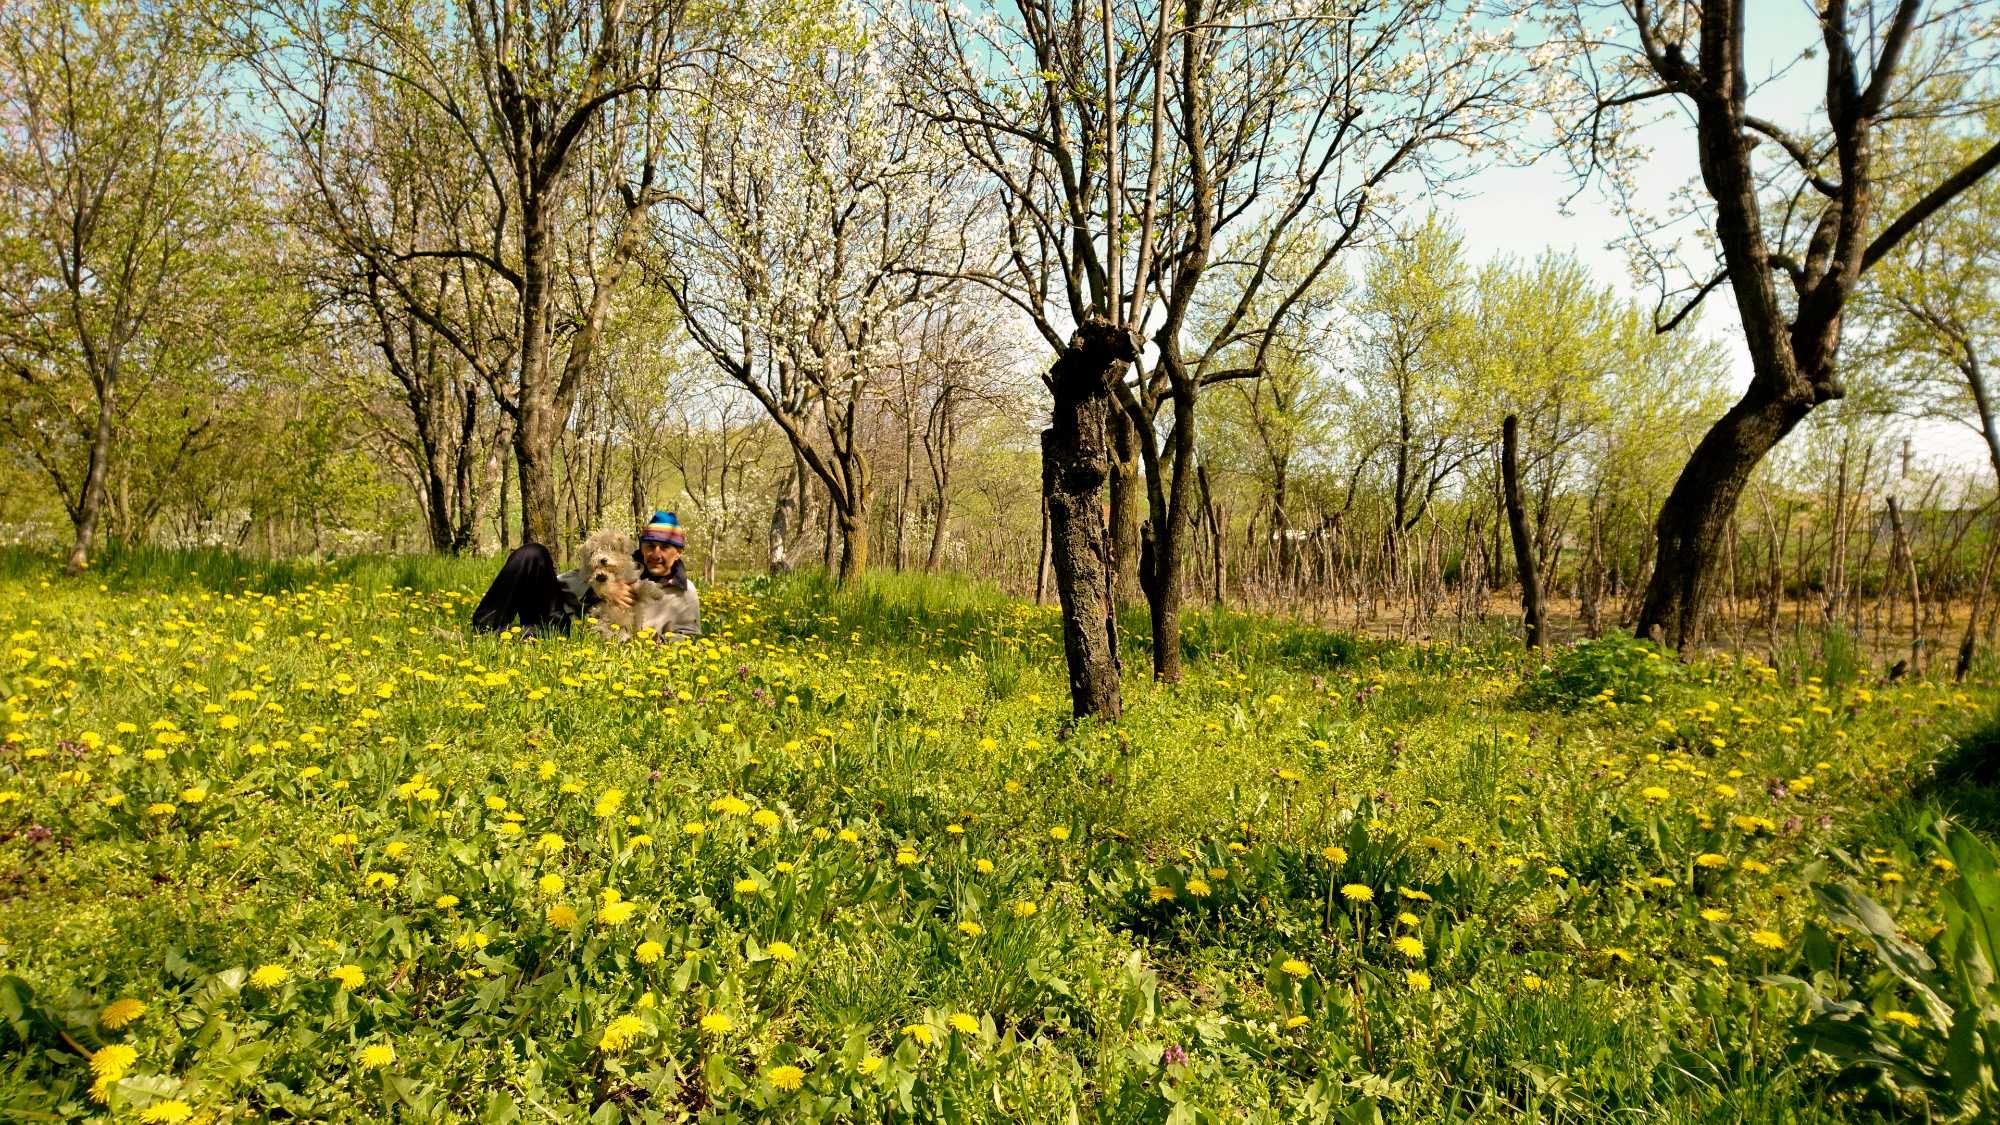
(664, 527)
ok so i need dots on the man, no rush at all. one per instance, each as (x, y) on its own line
(529, 591)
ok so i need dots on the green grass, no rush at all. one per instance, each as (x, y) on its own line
(982, 911)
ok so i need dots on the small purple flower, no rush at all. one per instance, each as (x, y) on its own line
(39, 833)
(1174, 1055)
(1792, 825)
(653, 776)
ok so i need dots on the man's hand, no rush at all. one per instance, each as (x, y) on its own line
(620, 596)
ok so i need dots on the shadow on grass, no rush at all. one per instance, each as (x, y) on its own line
(1965, 780)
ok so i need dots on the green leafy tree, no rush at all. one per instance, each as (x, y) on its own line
(117, 183)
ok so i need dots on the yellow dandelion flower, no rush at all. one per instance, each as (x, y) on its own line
(716, 1023)
(562, 916)
(1198, 888)
(921, 1032)
(1059, 833)
(620, 1033)
(1409, 946)
(550, 884)
(648, 952)
(786, 1078)
(375, 1056)
(748, 886)
(971, 929)
(1357, 892)
(109, 1063)
(1894, 1015)
(1418, 980)
(965, 1023)
(121, 1012)
(1160, 892)
(1295, 968)
(782, 951)
(1767, 939)
(870, 1064)
(270, 976)
(350, 977)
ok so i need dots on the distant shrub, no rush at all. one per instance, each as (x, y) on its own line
(1616, 667)
(1830, 652)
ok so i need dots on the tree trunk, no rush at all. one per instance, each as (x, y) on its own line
(1534, 621)
(1160, 551)
(1042, 550)
(903, 497)
(829, 531)
(1076, 460)
(1211, 509)
(1696, 513)
(853, 544)
(90, 498)
(781, 514)
(537, 428)
(942, 513)
(1900, 549)
(1126, 501)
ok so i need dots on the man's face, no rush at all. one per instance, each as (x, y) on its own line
(658, 557)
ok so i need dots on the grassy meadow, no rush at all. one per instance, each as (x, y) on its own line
(288, 842)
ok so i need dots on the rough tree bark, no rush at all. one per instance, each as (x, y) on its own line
(1076, 459)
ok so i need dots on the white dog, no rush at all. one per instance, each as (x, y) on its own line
(607, 558)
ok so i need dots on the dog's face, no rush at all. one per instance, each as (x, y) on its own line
(608, 557)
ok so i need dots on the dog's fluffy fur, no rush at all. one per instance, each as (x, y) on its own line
(607, 558)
